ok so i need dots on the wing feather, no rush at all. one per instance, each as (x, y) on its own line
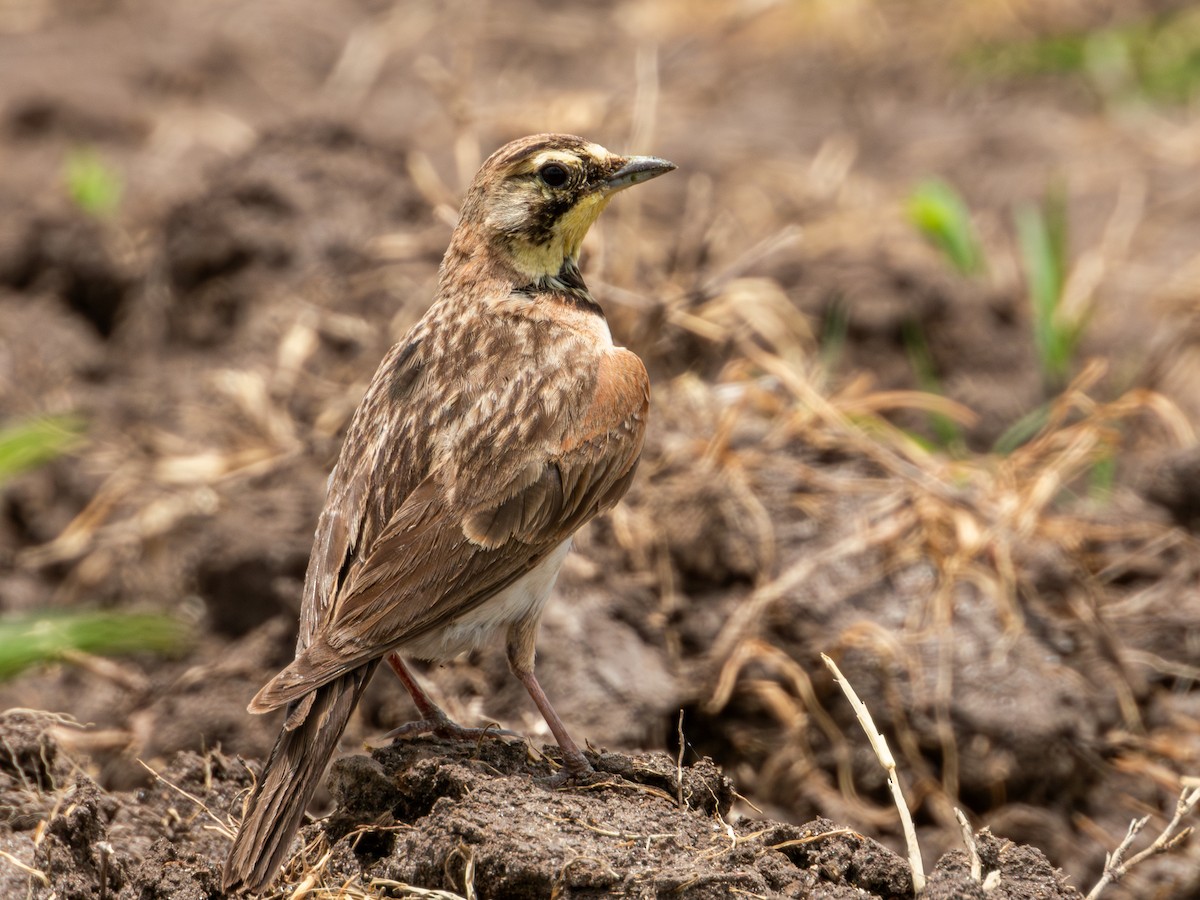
(347, 522)
(434, 561)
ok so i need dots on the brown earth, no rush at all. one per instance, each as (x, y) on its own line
(1026, 641)
(456, 818)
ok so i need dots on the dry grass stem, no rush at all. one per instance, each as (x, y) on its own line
(679, 765)
(884, 755)
(812, 838)
(890, 528)
(28, 870)
(406, 890)
(972, 847)
(222, 826)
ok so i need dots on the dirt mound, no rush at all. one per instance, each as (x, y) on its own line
(480, 821)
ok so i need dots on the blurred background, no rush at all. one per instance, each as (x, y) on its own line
(922, 310)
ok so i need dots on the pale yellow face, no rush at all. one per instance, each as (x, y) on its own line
(546, 203)
(541, 259)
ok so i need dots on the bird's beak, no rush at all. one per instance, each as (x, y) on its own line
(636, 170)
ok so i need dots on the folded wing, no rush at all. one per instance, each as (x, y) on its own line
(437, 559)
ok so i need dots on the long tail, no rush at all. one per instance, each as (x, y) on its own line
(287, 784)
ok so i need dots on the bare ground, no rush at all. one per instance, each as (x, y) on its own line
(290, 173)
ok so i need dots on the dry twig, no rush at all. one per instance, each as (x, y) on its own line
(1115, 866)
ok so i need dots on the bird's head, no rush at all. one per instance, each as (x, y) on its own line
(535, 198)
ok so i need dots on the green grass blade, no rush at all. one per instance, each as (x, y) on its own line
(39, 639)
(946, 431)
(91, 184)
(1154, 59)
(834, 330)
(1102, 478)
(1022, 430)
(940, 214)
(1042, 239)
(26, 445)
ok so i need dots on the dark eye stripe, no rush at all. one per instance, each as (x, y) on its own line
(540, 226)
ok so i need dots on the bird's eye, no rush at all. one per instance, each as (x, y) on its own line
(554, 174)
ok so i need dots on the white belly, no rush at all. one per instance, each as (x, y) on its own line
(520, 600)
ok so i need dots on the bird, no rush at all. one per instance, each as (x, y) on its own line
(501, 423)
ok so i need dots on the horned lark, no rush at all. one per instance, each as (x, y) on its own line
(503, 421)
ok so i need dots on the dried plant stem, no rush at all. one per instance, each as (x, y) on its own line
(1115, 866)
(222, 826)
(28, 870)
(884, 755)
(679, 766)
(972, 848)
(409, 890)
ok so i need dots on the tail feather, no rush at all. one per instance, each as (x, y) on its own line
(287, 783)
(316, 665)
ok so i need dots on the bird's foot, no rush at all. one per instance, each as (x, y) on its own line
(576, 771)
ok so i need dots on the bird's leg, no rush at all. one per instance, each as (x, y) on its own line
(433, 719)
(521, 638)
(424, 703)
